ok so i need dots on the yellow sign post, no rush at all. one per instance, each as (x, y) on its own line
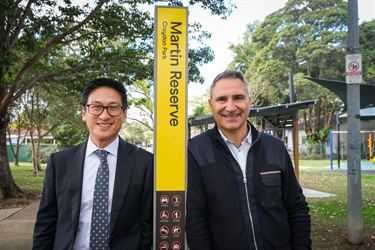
(170, 126)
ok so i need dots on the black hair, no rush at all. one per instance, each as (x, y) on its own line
(104, 82)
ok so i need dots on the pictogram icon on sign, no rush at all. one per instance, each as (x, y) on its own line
(176, 245)
(176, 215)
(164, 245)
(164, 215)
(164, 230)
(176, 199)
(176, 230)
(353, 66)
(164, 199)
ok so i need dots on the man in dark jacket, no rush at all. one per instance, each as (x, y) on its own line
(242, 189)
(92, 202)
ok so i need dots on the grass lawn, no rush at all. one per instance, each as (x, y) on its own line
(23, 176)
(30, 185)
(329, 215)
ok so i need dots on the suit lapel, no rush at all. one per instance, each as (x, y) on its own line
(124, 169)
(75, 178)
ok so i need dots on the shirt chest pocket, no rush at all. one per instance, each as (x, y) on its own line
(271, 188)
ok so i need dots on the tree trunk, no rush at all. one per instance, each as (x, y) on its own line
(33, 155)
(38, 152)
(305, 127)
(8, 188)
(16, 151)
(15, 162)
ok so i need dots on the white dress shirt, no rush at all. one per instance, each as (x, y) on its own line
(239, 153)
(91, 166)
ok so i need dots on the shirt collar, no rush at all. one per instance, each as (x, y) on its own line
(246, 139)
(112, 148)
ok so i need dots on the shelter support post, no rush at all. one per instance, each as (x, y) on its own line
(295, 145)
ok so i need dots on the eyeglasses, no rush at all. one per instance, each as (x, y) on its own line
(95, 109)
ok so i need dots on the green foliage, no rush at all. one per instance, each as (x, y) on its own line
(217, 7)
(246, 51)
(320, 136)
(199, 110)
(367, 48)
(305, 36)
(69, 134)
(137, 134)
(45, 152)
(140, 98)
(314, 151)
(199, 103)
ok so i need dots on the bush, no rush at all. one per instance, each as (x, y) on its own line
(45, 152)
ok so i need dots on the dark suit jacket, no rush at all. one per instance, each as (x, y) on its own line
(132, 205)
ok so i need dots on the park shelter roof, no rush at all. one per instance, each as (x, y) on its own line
(367, 91)
(275, 117)
(366, 114)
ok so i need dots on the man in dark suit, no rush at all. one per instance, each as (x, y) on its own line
(65, 215)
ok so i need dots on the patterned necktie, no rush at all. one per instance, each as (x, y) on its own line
(99, 219)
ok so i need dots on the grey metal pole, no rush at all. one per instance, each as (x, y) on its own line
(291, 87)
(355, 224)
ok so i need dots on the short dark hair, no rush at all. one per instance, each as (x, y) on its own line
(229, 74)
(104, 82)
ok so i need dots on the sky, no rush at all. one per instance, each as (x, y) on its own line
(225, 32)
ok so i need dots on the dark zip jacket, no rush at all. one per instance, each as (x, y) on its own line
(226, 210)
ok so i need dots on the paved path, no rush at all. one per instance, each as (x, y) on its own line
(16, 227)
(309, 193)
(17, 224)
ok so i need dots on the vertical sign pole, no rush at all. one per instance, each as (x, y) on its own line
(353, 79)
(170, 126)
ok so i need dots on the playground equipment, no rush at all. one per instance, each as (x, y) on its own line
(338, 145)
(370, 148)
